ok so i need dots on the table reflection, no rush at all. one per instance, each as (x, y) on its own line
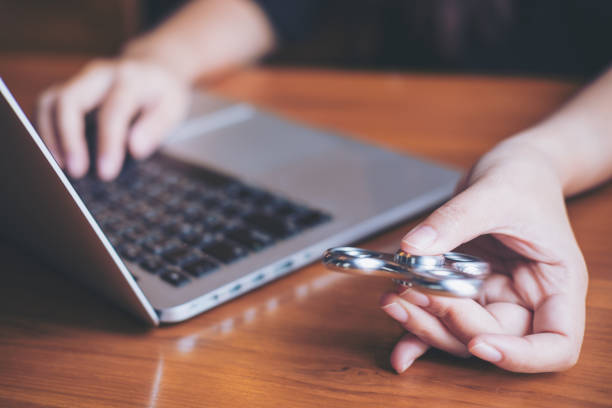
(253, 312)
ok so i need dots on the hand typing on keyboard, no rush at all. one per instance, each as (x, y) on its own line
(143, 92)
(137, 103)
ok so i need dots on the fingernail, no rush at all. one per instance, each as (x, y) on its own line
(396, 311)
(416, 298)
(405, 366)
(486, 352)
(105, 168)
(420, 237)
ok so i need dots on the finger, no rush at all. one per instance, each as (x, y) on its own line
(513, 319)
(72, 134)
(500, 288)
(496, 288)
(74, 100)
(153, 124)
(465, 318)
(114, 119)
(407, 349)
(456, 222)
(422, 324)
(555, 346)
(45, 112)
(542, 352)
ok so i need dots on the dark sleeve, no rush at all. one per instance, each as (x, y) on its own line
(292, 20)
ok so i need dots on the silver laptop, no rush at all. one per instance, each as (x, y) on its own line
(236, 198)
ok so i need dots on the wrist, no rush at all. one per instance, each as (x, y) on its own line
(543, 152)
(521, 165)
(156, 51)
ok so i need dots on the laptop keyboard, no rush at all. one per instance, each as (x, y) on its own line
(182, 222)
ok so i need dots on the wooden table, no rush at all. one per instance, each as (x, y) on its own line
(315, 338)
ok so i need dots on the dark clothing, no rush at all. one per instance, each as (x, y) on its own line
(566, 37)
(155, 11)
(559, 37)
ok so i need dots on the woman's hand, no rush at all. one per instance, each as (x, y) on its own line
(143, 93)
(530, 316)
(137, 102)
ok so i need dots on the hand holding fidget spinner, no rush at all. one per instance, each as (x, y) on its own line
(451, 274)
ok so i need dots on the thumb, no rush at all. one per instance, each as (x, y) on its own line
(472, 213)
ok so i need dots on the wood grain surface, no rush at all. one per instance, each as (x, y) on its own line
(68, 26)
(314, 338)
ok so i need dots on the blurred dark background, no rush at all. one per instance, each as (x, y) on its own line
(544, 37)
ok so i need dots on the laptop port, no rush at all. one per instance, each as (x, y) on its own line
(284, 267)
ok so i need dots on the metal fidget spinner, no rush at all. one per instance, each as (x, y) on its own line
(451, 274)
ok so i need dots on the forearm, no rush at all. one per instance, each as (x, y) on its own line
(205, 38)
(577, 139)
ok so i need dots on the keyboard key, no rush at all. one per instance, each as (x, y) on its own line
(230, 210)
(286, 209)
(129, 251)
(152, 264)
(276, 226)
(154, 236)
(155, 248)
(212, 221)
(209, 238)
(310, 218)
(251, 238)
(201, 267)
(114, 240)
(225, 251)
(163, 246)
(193, 213)
(171, 226)
(174, 276)
(210, 177)
(174, 256)
(153, 217)
(112, 223)
(182, 256)
(210, 202)
(134, 235)
(174, 205)
(192, 237)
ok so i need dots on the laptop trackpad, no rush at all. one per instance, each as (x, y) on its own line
(306, 164)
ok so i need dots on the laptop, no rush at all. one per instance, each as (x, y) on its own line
(237, 197)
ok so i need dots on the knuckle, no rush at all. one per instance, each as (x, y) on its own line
(110, 129)
(109, 118)
(66, 99)
(126, 69)
(439, 308)
(45, 98)
(423, 333)
(452, 212)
